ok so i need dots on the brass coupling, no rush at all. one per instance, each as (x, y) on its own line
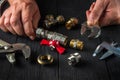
(45, 59)
(50, 20)
(49, 17)
(77, 44)
(60, 19)
(72, 22)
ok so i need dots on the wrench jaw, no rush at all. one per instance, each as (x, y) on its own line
(94, 31)
(84, 28)
(11, 49)
(19, 46)
(24, 48)
(26, 52)
(11, 58)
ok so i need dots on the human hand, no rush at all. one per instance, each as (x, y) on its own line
(21, 18)
(104, 13)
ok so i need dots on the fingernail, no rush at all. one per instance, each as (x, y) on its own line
(32, 37)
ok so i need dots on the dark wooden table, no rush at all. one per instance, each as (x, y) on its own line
(89, 69)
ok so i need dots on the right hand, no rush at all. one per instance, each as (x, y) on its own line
(21, 18)
(104, 13)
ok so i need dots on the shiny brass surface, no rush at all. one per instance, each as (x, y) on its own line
(45, 59)
(71, 23)
(60, 19)
(49, 17)
(77, 44)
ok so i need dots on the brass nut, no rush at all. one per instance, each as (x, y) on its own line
(48, 24)
(49, 17)
(45, 59)
(77, 44)
(60, 19)
(71, 23)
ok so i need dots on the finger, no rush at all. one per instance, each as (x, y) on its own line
(88, 13)
(92, 6)
(27, 22)
(29, 31)
(36, 19)
(2, 27)
(97, 11)
(16, 23)
(7, 23)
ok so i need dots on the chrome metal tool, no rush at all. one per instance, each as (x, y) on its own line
(10, 50)
(74, 59)
(95, 31)
(111, 49)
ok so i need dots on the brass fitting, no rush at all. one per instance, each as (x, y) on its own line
(77, 44)
(45, 59)
(47, 24)
(49, 17)
(60, 19)
(51, 21)
(71, 23)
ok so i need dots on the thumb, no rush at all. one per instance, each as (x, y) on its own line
(97, 11)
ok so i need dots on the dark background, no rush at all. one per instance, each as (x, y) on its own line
(89, 68)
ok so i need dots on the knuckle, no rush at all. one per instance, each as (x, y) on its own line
(26, 5)
(26, 19)
(13, 22)
(95, 14)
(23, 4)
(7, 23)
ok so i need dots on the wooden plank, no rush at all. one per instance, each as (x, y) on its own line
(90, 68)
